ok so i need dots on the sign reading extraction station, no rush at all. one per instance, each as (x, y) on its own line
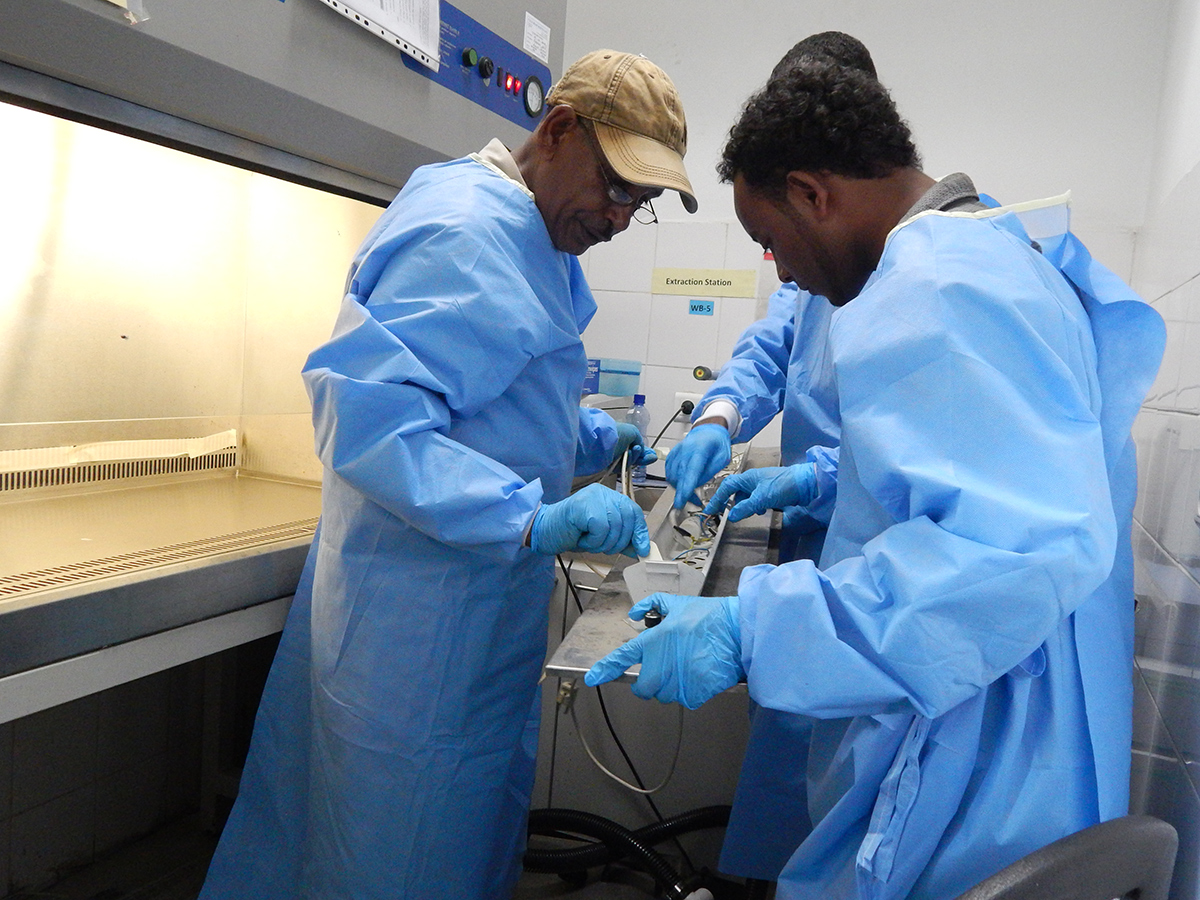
(705, 282)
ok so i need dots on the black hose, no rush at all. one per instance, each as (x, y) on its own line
(575, 859)
(613, 836)
(757, 889)
(693, 820)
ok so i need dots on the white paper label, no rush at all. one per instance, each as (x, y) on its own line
(537, 38)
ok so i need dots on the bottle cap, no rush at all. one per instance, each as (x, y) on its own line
(639, 398)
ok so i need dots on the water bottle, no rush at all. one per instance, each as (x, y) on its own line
(638, 416)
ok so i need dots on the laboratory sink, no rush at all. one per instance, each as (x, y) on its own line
(646, 497)
(604, 623)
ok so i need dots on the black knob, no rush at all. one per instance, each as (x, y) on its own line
(653, 617)
(486, 67)
(470, 57)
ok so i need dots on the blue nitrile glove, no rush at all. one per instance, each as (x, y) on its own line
(705, 451)
(757, 490)
(595, 520)
(689, 658)
(629, 438)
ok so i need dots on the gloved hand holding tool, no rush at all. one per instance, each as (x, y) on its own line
(693, 655)
(705, 451)
(629, 438)
(758, 490)
(594, 520)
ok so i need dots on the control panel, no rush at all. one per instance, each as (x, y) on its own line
(483, 67)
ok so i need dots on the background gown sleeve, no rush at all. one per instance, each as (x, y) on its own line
(825, 459)
(396, 373)
(970, 436)
(597, 441)
(755, 377)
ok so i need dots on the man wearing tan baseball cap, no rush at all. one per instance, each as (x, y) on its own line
(635, 112)
(393, 752)
(612, 141)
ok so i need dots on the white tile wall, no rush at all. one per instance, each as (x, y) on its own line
(1111, 246)
(84, 777)
(626, 262)
(620, 328)
(54, 753)
(1167, 270)
(1165, 389)
(1167, 539)
(1147, 424)
(5, 837)
(6, 743)
(1160, 446)
(1168, 248)
(736, 313)
(1187, 396)
(54, 836)
(660, 384)
(1192, 288)
(678, 338)
(1173, 305)
(740, 251)
(130, 803)
(132, 722)
(659, 329)
(686, 245)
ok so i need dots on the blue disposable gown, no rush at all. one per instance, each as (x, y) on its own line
(393, 754)
(780, 362)
(966, 644)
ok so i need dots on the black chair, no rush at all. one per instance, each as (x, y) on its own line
(1131, 857)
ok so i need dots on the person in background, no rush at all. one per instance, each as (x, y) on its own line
(780, 363)
(965, 644)
(393, 753)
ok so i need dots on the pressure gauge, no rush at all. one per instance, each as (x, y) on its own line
(535, 96)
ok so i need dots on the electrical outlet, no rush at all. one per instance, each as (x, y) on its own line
(677, 429)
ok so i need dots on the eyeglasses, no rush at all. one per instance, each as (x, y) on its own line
(643, 212)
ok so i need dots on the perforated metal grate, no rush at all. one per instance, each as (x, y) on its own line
(87, 473)
(59, 576)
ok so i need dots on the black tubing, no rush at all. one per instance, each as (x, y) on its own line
(693, 820)
(577, 858)
(613, 836)
(756, 889)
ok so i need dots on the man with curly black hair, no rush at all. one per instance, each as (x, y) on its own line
(778, 365)
(965, 643)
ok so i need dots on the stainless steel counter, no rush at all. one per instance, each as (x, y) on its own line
(605, 624)
(82, 570)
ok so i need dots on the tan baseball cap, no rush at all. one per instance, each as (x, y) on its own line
(638, 117)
